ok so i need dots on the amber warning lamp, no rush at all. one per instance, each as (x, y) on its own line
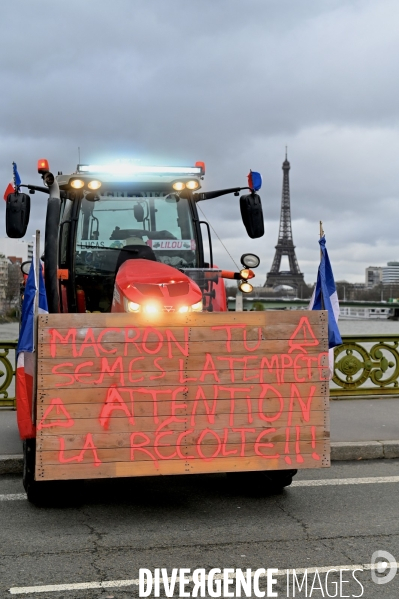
(42, 166)
(245, 274)
(201, 165)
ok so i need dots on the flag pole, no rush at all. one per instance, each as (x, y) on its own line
(321, 235)
(37, 265)
(321, 256)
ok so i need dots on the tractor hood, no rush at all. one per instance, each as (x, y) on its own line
(147, 286)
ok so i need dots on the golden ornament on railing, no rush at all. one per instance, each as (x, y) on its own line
(7, 370)
(366, 365)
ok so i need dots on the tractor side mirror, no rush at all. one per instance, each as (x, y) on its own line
(17, 214)
(252, 215)
(25, 267)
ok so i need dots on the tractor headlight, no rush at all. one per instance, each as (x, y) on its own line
(245, 287)
(197, 307)
(77, 183)
(193, 308)
(192, 184)
(178, 185)
(94, 184)
(151, 308)
(133, 307)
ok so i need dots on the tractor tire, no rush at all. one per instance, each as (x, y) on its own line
(46, 493)
(276, 480)
(32, 488)
(266, 481)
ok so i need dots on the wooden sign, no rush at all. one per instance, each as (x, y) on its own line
(129, 395)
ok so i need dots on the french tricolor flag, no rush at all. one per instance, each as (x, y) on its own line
(325, 297)
(10, 189)
(26, 355)
(13, 187)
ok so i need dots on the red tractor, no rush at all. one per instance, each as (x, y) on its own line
(125, 238)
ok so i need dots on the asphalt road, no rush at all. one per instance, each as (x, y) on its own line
(201, 522)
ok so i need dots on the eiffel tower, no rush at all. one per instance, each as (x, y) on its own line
(285, 244)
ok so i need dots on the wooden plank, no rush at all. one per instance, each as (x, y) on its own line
(147, 423)
(162, 408)
(192, 362)
(266, 347)
(132, 334)
(111, 440)
(170, 467)
(276, 331)
(200, 319)
(98, 395)
(156, 332)
(86, 379)
(149, 454)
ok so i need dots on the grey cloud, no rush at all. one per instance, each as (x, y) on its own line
(229, 82)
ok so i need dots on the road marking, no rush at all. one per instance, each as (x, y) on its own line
(297, 483)
(346, 481)
(13, 497)
(54, 588)
(108, 584)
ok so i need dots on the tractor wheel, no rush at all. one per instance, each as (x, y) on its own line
(274, 481)
(45, 493)
(32, 487)
(269, 481)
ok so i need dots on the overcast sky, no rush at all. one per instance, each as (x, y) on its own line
(229, 82)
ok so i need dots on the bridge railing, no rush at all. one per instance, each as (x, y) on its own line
(7, 373)
(364, 365)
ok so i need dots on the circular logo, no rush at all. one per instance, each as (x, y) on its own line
(385, 564)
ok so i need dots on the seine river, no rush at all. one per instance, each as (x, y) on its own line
(369, 327)
(347, 327)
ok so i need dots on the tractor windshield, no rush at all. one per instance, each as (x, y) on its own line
(116, 220)
(110, 223)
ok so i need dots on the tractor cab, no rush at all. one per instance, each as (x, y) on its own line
(127, 238)
(106, 221)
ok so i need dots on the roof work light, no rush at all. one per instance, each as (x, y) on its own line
(94, 184)
(178, 185)
(126, 168)
(192, 184)
(77, 183)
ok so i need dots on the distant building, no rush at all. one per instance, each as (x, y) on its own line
(390, 274)
(17, 248)
(373, 276)
(3, 280)
(15, 260)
